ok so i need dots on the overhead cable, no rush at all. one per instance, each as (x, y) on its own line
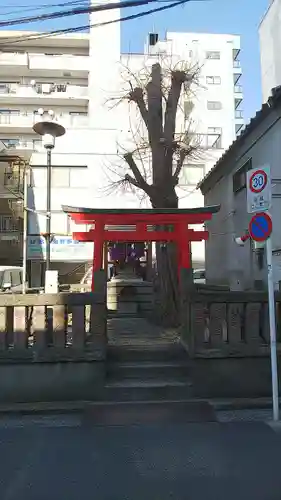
(36, 36)
(35, 8)
(75, 12)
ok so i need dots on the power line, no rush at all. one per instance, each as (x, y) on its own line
(30, 8)
(75, 12)
(97, 25)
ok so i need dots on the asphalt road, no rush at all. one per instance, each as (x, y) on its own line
(66, 458)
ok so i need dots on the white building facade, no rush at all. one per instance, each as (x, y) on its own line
(270, 39)
(77, 76)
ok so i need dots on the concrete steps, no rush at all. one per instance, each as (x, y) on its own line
(153, 390)
(153, 372)
(147, 370)
(145, 363)
(149, 352)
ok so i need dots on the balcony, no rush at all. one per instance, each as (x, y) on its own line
(11, 237)
(13, 63)
(43, 94)
(14, 178)
(22, 123)
(16, 123)
(59, 65)
(238, 114)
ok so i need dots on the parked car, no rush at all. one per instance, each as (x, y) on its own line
(11, 278)
(199, 276)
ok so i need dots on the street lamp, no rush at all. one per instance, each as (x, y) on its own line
(49, 130)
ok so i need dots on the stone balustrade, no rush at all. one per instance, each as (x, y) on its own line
(64, 325)
(227, 323)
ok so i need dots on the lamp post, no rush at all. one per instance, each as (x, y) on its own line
(49, 130)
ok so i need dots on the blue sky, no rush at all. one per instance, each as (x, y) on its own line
(239, 17)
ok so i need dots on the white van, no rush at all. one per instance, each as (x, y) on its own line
(11, 278)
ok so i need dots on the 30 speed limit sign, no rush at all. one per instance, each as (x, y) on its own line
(258, 181)
(258, 189)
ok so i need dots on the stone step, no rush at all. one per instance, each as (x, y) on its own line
(150, 412)
(148, 390)
(144, 370)
(146, 351)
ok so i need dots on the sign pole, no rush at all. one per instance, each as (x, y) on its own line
(272, 326)
(259, 201)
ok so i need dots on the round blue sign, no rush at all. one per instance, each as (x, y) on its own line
(260, 227)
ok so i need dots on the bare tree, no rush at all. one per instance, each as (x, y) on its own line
(158, 101)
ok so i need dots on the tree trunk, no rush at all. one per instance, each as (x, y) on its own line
(167, 268)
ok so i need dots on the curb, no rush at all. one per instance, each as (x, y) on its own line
(62, 407)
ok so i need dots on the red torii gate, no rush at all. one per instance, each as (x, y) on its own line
(180, 219)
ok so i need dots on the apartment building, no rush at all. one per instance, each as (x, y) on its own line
(269, 34)
(75, 76)
(49, 74)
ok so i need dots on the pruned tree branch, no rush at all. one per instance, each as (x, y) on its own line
(131, 180)
(154, 104)
(177, 80)
(139, 179)
(137, 96)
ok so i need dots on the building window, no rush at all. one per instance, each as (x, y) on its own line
(214, 105)
(214, 138)
(191, 174)
(213, 80)
(213, 54)
(15, 112)
(62, 177)
(240, 177)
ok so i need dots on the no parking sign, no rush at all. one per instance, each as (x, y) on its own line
(258, 190)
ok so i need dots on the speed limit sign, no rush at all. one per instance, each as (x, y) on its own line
(258, 190)
(258, 181)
